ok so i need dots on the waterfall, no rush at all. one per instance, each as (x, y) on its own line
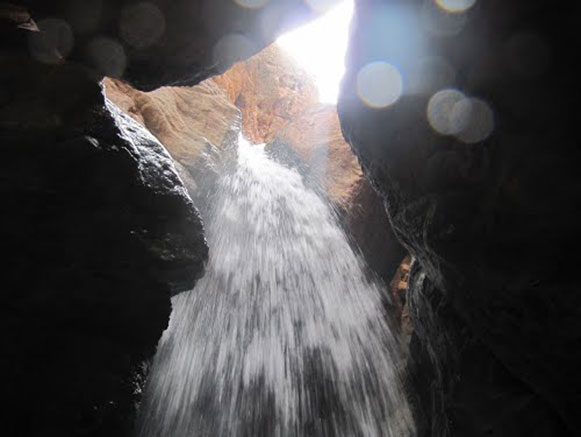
(284, 335)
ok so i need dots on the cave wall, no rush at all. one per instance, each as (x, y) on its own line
(198, 126)
(98, 225)
(100, 233)
(159, 42)
(270, 90)
(492, 223)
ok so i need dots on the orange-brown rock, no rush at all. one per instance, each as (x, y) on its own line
(316, 138)
(399, 286)
(270, 90)
(184, 119)
(278, 102)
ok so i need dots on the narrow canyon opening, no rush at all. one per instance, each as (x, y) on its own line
(293, 329)
(201, 238)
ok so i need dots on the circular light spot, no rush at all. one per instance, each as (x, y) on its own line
(108, 56)
(141, 25)
(475, 120)
(460, 116)
(53, 42)
(440, 109)
(455, 6)
(379, 84)
(321, 5)
(251, 4)
(232, 48)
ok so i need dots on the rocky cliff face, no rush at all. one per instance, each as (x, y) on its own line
(196, 124)
(270, 91)
(183, 119)
(489, 218)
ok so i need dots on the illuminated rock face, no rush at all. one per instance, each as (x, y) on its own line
(494, 293)
(270, 90)
(195, 124)
(183, 119)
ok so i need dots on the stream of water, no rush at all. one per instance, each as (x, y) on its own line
(284, 335)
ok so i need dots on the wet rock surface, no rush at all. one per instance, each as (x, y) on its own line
(491, 222)
(197, 125)
(183, 119)
(460, 387)
(100, 232)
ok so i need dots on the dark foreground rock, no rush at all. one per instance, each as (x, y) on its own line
(491, 219)
(98, 232)
(157, 43)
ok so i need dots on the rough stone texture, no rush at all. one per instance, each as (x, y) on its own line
(195, 124)
(99, 231)
(492, 224)
(183, 119)
(270, 90)
(198, 126)
(314, 144)
(160, 42)
(460, 388)
(399, 286)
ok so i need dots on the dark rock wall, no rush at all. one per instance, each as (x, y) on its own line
(159, 42)
(98, 232)
(492, 223)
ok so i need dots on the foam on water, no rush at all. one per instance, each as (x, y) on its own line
(284, 335)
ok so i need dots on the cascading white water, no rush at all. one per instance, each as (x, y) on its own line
(284, 335)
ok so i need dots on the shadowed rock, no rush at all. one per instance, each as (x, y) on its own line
(491, 222)
(100, 232)
(152, 44)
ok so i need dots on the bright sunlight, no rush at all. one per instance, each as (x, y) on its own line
(319, 48)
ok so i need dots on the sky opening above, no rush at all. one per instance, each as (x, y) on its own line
(320, 47)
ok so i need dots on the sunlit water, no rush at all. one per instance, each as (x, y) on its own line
(284, 335)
